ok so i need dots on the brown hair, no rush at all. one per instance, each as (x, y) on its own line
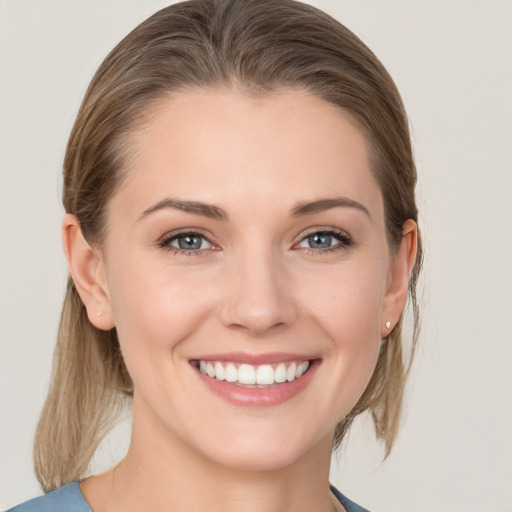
(260, 47)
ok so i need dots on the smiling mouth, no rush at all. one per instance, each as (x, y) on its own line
(252, 376)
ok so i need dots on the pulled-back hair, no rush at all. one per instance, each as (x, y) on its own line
(259, 47)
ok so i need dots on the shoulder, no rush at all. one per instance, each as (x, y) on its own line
(350, 506)
(66, 499)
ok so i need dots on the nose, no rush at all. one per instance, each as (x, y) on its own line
(259, 295)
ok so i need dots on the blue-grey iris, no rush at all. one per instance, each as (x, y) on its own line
(190, 242)
(320, 241)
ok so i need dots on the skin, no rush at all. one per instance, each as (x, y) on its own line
(256, 286)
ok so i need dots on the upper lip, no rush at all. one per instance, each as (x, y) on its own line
(255, 359)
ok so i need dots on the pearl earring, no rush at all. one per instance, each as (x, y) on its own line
(388, 324)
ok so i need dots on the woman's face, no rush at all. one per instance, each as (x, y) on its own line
(247, 245)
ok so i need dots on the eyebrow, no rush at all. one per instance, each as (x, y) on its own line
(215, 212)
(326, 204)
(195, 207)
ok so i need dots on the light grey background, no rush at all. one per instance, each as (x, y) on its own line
(451, 61)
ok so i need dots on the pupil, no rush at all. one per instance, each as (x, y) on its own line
(189, 242)
(320, 241)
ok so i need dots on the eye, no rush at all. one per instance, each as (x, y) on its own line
(325, 240)
(186, 242)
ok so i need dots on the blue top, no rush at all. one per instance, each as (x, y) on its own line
(70, 499)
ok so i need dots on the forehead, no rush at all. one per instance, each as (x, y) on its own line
(218, 145)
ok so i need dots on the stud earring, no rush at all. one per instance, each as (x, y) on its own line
(98, 314)
(388, 324)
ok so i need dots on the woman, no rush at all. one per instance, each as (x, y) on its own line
(241, 233)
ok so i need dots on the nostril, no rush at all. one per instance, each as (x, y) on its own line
(257, 326)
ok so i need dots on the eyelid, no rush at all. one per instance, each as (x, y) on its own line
(165, 240)
(345, 239)
(323, 229)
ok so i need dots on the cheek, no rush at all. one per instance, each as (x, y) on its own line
(155, 308)
(154, 313)
(347, 300)
(349, 314)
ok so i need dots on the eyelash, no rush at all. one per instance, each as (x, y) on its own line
(165, 243)
(343, 238)
(344, 242)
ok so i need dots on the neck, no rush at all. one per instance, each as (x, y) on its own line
(163, 473)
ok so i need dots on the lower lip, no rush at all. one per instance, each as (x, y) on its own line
(259, 397)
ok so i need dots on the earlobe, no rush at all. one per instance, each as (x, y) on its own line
(399, 275)
(87, 270)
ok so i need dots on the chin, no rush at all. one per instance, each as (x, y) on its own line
(256, 460)
(265, 449)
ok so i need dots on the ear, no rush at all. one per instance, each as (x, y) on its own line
(400, 270)
(87, 269)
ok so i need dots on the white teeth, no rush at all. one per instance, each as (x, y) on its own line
(210, 370)
(290, 373)
(246, 374)
(231, 373)
(265, 375)
(249, 375)
(220, 373)
(280, 373)
(301, 369)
